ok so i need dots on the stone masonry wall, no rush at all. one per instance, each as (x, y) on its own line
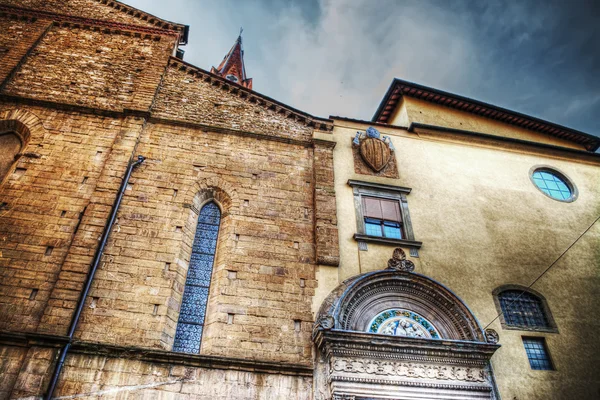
(186, 97)
(79, 98)
(93, 68)
(264, 270)
(16, 38)
(95, 9)
(90, 376)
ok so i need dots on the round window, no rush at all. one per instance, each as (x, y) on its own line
(553, 184)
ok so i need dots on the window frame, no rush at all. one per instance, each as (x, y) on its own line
(197, 211)
(544, 343)
(559, 174)
(551, 328)
(388, 192)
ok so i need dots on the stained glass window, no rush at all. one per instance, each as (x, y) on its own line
(537, 352)
(551, 184)
(195, 295)
(523, 309)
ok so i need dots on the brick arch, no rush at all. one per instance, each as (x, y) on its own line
(205, 190)
(25, 124)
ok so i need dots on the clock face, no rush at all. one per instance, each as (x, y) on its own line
(232, 78)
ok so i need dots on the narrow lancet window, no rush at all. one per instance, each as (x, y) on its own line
(195, 295)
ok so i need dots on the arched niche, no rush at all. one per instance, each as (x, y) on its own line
(446, 357)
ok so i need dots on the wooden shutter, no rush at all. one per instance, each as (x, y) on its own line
(372, 208)
(384, 209)
(391, 210)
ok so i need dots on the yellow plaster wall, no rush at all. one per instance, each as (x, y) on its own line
(415, 110)
(484, 224)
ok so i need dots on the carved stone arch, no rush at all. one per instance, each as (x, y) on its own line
(18, 129)
(25, 124)
(360, 299)
(360, 362)
(205, 190)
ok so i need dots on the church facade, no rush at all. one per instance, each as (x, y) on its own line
(167, 232)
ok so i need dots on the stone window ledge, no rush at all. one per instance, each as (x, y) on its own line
(393, 242)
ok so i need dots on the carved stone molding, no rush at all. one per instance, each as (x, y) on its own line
(408, 369)
(398, 262)
(361, 364)
(492, 336)
(359, 299)
(376, 366)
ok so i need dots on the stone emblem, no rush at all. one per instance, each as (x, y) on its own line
(374, 150)
(491, 336)
(399, 262)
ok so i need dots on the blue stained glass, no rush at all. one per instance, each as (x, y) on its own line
(187, 338)
(193, 304)
(195, 295)
(552, 185)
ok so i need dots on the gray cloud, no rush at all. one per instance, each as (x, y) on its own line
(339, 56)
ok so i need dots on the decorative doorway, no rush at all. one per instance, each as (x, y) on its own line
(395, 334)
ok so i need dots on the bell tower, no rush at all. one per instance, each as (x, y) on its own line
(232, 67)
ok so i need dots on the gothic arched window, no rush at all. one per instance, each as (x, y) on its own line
(522, 309)
(10, 146)
(195, 295)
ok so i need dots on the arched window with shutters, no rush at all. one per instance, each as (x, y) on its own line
(520, 308)
(10, 146)
(188, 335)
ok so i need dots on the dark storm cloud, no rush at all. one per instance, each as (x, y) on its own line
(339, 56)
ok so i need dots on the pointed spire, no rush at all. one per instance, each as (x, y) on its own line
(232, 67)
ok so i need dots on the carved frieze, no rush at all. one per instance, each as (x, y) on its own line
(409, 370)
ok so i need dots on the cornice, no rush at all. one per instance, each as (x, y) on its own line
(400, 88)
(506, 142)
(89, 23)
(155, 356)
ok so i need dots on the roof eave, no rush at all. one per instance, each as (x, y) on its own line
(590, 142)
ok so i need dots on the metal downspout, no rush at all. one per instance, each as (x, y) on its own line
(90, 277)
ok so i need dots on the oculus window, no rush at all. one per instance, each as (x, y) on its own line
(382, 214)
(537, 353)
(554, 184)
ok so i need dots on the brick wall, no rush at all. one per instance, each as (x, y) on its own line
(74, 94)
(93, 68)
(95, 9)
(185, 96)
(266, 237)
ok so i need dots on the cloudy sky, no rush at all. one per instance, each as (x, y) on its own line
(338, 57)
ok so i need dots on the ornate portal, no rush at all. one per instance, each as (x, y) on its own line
(396, 334)
(374, 150)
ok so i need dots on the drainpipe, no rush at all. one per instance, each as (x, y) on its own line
(90, 277)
